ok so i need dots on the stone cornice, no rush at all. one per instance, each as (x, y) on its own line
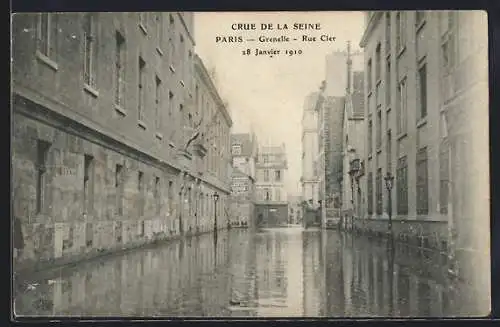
(374, 19)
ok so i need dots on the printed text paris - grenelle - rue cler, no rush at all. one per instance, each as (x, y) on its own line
(273, 27)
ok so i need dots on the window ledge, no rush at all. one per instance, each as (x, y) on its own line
(421, 122)
(370, 156)
(379, 80)
(160, 51)
(172, 145)
(141, 124)
(143, 28)
(172, 69)
(47, 61)
(91, 90)
(182, 83)
(159, 136)
(401, 135)
(369, 92)
(401, 50)
(388, 109)
(379, 149)
(120, 110)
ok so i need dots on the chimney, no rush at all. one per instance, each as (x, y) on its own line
(349, 68)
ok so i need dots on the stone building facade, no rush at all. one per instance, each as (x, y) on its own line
(100, 102)
(271, 195)
(244, 150)
(426, 110)
(353, 138)
(309, 178)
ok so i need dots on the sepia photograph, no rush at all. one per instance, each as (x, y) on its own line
(250, 164)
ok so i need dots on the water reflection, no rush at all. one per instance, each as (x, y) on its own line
(272, 272)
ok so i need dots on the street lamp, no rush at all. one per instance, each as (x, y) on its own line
(353, 173)
(216, 198)
(389, 179)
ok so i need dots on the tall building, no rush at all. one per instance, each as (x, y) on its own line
(336, 72)
(353, 138)
(309, 178)
(426, 110)
(101, 151)
(271, 168)
(244, 153)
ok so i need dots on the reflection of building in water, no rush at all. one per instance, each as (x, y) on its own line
(312, 271)
(334, 302)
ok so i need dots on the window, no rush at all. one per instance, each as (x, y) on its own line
(90, 58)
(181, 54)
(402, 107)
(236, 149)
(389, 151)
(278, 195)
(400, 30)
(140, 193)
(41, 170)
(422, 88)
(159, 30)
(171, 104)
(46, 34)
(277, 175)
(158, 195)
(88, 182)
(379, 129)
(378, 62)
(140, 90)
(267, 194)
(370, 137)
(119, 180)
(378, 191)
(370, 193)
(158, 104)
(388, 83)
(402, 186)
(266, 175)
(449, 51)
(143, 21)
(419, 18)
(170, 196)
(120, 70)
(369, 75)
(444, 177)
(265, 158)
(387, 32)
(422, 183)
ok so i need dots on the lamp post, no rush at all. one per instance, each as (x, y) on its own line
(389, 179)
(216, 198)
(353, 173)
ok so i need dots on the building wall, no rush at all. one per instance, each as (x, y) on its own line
(419, 133)
(276, 162)
(310, 148)
(81, 118)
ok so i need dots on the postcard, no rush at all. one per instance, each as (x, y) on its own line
(250, 164)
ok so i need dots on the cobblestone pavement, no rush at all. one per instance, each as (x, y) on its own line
(271, 272)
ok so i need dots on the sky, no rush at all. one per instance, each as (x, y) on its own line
(266, 94)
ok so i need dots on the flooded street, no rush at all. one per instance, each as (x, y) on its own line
(269, 273)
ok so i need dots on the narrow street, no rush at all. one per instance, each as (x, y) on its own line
(271, 272)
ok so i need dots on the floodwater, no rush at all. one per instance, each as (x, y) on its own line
(281, 272)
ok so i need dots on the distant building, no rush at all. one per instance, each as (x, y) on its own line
(271, 169)
(244, 150)
(309, 178)
(353, 137)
